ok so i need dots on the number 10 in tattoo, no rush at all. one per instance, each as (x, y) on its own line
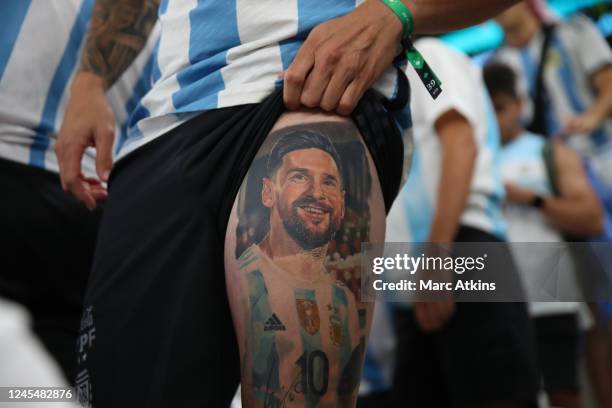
(315, 372)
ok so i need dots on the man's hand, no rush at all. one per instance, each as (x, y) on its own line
(583, 124)
(88, 121)
(342, 58)
(518, 195)
(433, 311)
(432, 316)
(600, 110)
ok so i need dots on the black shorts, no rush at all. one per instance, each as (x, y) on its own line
(380, 399)
(157, 329)
(484, 354)
(47, 240)
(558, 347)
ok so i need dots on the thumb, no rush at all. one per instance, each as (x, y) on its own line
(104, 137)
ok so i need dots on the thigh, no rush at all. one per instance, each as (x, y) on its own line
(292, 262)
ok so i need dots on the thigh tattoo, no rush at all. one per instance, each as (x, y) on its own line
(303, 211)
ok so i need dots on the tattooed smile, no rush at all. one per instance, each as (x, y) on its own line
(311, 223)
(315, 213)
(313, 210)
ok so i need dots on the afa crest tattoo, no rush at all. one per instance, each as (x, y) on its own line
(308, 313)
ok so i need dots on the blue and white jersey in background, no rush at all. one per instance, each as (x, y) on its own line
(215, 54)
(577, 51)
(412, 214)
(380, 355)
(522, 163)
(40, 48)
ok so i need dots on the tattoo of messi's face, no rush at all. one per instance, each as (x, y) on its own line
(306, 193)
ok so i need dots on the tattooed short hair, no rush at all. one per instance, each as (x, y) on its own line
(297, 140)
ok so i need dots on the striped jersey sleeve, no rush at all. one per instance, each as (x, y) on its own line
(41, 42)
(217, 54)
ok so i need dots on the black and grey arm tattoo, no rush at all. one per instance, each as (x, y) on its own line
(118, 31)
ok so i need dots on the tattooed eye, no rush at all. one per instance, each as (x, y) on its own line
(330, 182)
(298, 177)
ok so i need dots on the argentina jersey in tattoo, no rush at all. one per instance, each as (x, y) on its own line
(288, 366)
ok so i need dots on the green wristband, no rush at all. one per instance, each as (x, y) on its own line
(428, 77)
(404, 14)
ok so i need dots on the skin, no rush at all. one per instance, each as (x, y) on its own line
(577, 210)
(508, 110)
(343, 57)
(599, 111)
(459, 153)
(117, 33)
(84, 125)
(303, 173)
(520, 26)
(310, 173)
(541, 10)
(339, 60)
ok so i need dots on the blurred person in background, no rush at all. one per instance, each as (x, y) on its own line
(541, 209)
(25, 361)
(564, 71)
(454, 194)
(565, 76)
(47, 237)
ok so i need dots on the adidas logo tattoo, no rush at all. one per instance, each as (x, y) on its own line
(274, 324)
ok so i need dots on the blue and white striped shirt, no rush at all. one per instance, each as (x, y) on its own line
(576, 52)
(215, 54)
(40, 47)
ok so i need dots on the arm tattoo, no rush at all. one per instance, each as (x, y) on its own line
(118, 31)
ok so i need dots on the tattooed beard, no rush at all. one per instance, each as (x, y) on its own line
(300, 233)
